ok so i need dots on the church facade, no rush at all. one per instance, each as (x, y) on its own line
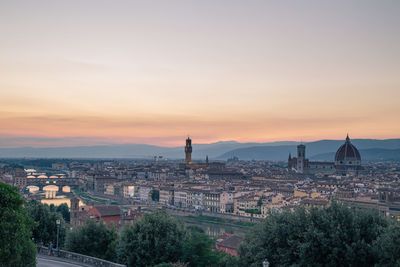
(347, 161)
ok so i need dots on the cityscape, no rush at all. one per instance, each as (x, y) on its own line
(199, 134)
(224, 199)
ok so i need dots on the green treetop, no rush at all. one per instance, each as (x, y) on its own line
(16, 246)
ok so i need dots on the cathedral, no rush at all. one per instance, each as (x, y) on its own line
(347, 161)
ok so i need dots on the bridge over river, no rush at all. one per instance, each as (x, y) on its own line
(59, 182)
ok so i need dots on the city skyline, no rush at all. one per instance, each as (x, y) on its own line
(94, 72)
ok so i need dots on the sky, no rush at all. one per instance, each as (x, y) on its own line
(153, 72)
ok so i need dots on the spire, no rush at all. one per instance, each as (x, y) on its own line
(347, 138)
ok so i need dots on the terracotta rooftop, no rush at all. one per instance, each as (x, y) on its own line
(108, 210)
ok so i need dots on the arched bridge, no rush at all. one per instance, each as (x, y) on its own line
(60, 182)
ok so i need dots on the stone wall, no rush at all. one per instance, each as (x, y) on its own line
(79, 258)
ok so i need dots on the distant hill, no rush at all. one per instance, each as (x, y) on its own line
(109, 151)
(322, 150)
(214, 150)
(372, 154)
(200, 151)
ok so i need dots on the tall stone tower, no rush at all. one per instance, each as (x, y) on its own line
(301, 156)
(188, 151)
(74, 211)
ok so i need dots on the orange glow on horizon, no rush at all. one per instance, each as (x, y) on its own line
(147, 73)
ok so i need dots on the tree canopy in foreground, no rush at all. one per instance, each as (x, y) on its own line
(161, 239)
(94, 239)
(334, 236)
(45, 227)
(155, 239)
(16, 247)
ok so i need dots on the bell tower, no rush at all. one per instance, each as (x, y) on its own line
(74, 209)
(301, 157)
(188, 151)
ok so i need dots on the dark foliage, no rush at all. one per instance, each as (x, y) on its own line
(155, 195)
(16, 246)
(387, 246)
(64, 210)
(335, 236)
(197, 251)
(161, 239)
(45, 229)
(94, 239)
(155, 239)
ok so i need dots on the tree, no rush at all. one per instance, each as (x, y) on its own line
(155, 195)
(52, 208)
(260, 202)
(197, 251)
(387, 246)
(93, 239)
(64, 210)
(156, 238)
(45, 227)
(335, 236)
(16, 246)
(164, 265)
(195, 228)
(175, 264)
(227, 260)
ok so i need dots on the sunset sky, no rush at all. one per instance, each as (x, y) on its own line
(153, 72)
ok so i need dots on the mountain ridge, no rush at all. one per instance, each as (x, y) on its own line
(312, 149)
(278, 150)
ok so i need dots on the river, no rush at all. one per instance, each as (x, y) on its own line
(215, 229)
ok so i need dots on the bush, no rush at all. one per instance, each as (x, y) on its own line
(93, 239)
(156, 238)
(45, 227)
(16, 247)
(335, 236)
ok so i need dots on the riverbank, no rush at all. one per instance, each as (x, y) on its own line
(89, 199)
(216, 226)
(215, 220)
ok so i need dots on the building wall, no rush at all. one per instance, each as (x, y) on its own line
(109, 189)
(180, 199)
(19, 178)
(144, 193)
(242, 204)
(94, 214)
(167, 196)
(195, 200)
(226, 201)
(212, 202)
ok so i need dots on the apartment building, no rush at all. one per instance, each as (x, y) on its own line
(180, 198)
(167, 195)
(195, 199)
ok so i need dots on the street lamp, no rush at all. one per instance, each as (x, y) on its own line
(265, 263)
(58, 233)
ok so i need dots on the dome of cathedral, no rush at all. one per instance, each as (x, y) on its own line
(347, 154)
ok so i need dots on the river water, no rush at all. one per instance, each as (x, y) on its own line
(215, 229)
(211, 229)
